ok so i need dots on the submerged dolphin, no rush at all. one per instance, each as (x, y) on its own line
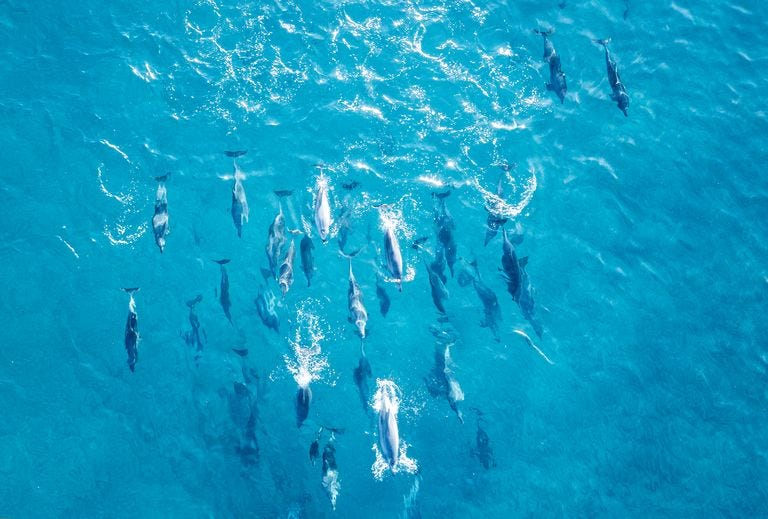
(437, 287)
(518, 283)
(491, 308)
(361, 374)
(265, 307)
(381, 294)
(442, 381)
(131, 338)
(160, 218)
(285, 277)
(445, 227)
(482, 449)
(331, 472)
(494, 220)
(618, 91)
(239, 202)
(194, 337)
(306, 246)
(226, 304)
(322, 209)
(556, 82)
(525, 300)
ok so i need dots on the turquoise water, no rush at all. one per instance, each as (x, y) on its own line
(645, 237)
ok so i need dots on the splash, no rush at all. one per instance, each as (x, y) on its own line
(387, 399)
(308, 361)
(505, 208)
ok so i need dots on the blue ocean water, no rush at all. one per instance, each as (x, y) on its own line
(645, 237)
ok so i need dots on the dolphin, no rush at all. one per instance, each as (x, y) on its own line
(285, 278)
(381, 294)
(331, 472)
(306, 246)
(242, 408)
(618, 91)
(525, 299)
(226, 304)
(510, 266)
(357, 312)
(303, 399)
(314, 448)
(491, 310)
(160, 218)
(276, 237)
(322, 209)
(345, 215)
(393, 256)
(482, 449)
(557, 82)
(445, 227)
(194, 337)
(239, 202)
(439, 292)
(132, 331)
(389, 435)
(361, 374)
(443, 383)
(265, 307)
(494, 221)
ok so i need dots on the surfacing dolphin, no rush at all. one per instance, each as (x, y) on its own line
(331, 472)
(131, 338)
(556, 82)
(239, 202)
(618, 91)
(160, 218)
(226, 304)
(322, 209)
(303, 399)
(393, 256)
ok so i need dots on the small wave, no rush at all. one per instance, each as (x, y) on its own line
(332, 485)
(504, 207)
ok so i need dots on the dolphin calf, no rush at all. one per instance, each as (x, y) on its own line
(491, 309)
(618, 91)
(131, 338)
(556, 82)
(194, 337)
(306, 248)
(239, 202)
(303, 399)
(285, 277)
(160, 218)
(510, 266)
(276, 236)
(322, 209)
(445, 227)
(265, 307)
(357, 312)
(226, 304)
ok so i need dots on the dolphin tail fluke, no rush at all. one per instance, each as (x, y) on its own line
(235, 154)
(243, 352)
(131, 290)
(442, 195)
(222, 261)
(604, 42)
(282, 193)
(163, 178)
(544, 32)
